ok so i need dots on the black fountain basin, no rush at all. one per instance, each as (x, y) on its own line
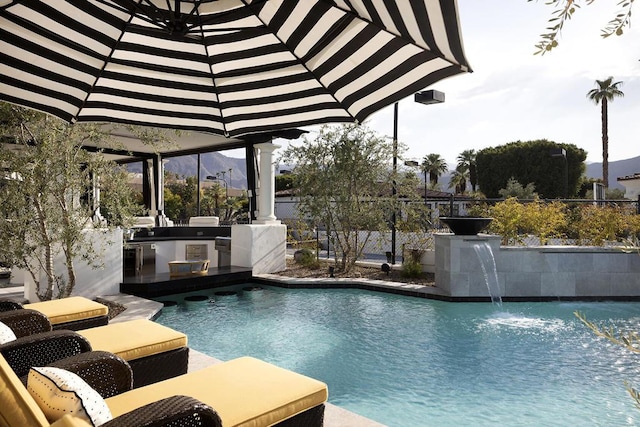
(466, 225)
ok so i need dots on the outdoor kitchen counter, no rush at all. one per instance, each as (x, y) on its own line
(156, 247)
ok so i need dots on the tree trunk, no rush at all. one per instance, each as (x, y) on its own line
(473, 176)
(47, 294)
(71, 276)
(605, 144)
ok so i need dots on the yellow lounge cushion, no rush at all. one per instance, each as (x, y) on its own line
(69, 309)
(134, 339)
(17, 407)
(245, 392)
(71, 421)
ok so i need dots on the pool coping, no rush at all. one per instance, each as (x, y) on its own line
(414, 290)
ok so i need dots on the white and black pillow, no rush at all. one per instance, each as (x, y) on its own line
(6, 334)
(59, 392)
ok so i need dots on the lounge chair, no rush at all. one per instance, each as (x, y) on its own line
(241, 392)
(154, 352)
(72, 313)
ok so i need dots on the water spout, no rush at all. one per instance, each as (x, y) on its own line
(488, 264)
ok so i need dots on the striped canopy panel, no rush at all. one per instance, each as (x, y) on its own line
(230, 67)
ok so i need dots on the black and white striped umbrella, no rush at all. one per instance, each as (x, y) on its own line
(230, 67)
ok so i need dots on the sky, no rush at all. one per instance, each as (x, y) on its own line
(514, 95)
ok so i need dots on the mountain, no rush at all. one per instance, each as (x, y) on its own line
(617, 169)
(211, 164)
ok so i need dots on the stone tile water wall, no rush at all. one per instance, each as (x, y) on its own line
(542, 272)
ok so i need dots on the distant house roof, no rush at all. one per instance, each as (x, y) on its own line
(631, 185)
(630, 177)
(431, 194)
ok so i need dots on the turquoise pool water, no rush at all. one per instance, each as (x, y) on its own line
(406, 361)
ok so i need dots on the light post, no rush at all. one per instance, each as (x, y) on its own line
(561, 152)
(426, 97)
(217, 178)
(226, 191)
(223, 173)
(198, 187)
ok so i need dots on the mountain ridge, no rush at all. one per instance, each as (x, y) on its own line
(216, 163)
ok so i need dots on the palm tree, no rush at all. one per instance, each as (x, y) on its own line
(435, 166)
(467, 163)
(459, 180)
(605, 92)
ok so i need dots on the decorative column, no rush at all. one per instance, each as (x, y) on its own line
(261, 245)
(266, 195)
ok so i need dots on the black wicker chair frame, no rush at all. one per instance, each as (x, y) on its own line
(76, 325)
(42, 349)
(7, 305)
(27, 324)
(111, 375)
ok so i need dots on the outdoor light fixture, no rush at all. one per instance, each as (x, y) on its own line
(426, 97)
(217, 178)
(561, 152)
(386, 268)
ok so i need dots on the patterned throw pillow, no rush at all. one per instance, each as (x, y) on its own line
(6, 334)
(59, 392)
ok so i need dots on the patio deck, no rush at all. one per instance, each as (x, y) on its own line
(151, 285)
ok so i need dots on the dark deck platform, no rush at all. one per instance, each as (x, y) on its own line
(156, 285)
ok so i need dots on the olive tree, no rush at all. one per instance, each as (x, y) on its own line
(45, 206)
(344, 181)
(564, 10)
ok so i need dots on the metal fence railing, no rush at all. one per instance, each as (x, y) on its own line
(377, 245)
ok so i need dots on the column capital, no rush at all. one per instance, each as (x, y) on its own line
(267, 146)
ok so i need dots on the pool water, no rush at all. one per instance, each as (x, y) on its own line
(406, 361)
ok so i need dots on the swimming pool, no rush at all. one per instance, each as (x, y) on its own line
(406, 361)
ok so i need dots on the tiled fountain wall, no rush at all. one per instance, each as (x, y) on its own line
(535, 272)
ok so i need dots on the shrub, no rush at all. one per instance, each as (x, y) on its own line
(545, 220)
(411, 268)
(507, 220)
(596, 225)
(306, 258)
(587, 225)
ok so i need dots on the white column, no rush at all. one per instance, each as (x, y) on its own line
(266, 196)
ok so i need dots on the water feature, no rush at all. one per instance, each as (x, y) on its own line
(489, 269)
(407, 361)
(466, 225)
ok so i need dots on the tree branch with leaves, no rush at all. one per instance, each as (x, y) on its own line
(564, 10)
(344, 178)
(630, 341)
(45, 206)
